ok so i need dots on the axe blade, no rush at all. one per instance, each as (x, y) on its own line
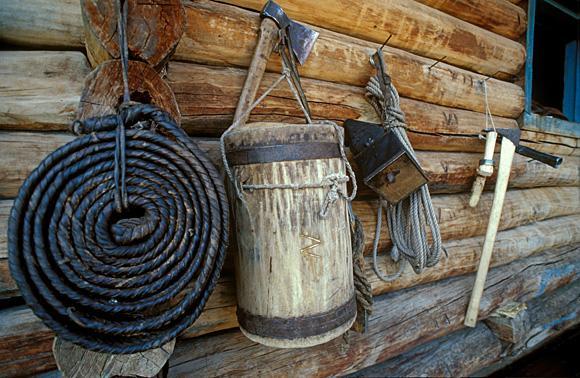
(303, 40)
(512, 134)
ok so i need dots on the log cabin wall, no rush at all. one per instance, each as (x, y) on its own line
(438, 55)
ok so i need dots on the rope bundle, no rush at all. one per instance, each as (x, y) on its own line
(407, 220)
(120, 282)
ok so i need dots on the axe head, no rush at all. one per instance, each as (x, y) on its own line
(512, 134)
(302, 38)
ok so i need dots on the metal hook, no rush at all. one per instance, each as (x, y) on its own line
(437, 62)
(372, 61)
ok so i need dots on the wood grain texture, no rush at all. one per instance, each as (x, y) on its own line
(291, 262)
(498, 16)
(400, 321)
(40, 90)
(103, 90)
(153, 30)
(550, 220)
(414, 27)
(74, 361)
(509, 323)
(550, 316)
(466, 352)
(463, 254)
(207, 98)
(455, 355)
(218, 34)
(42, 23)
(21, 152)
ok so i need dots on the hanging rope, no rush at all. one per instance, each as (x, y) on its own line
(331, 181)
(408, 219)
(117, 239)
(362, 286)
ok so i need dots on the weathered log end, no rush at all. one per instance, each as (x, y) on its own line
(153, 30)
(510, 323)
(75, 361)
(103, 91)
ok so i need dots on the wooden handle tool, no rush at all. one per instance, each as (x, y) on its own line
(505, 162)
(485, 168)
(269, 37)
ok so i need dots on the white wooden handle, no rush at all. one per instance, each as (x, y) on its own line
(505, 164)
(476, 190)
(484, 170)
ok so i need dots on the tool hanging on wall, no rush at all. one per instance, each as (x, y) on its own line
(389, 165)
(510, 144)
(294, 273)
(116, 239)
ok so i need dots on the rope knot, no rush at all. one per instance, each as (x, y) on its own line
(334, 193)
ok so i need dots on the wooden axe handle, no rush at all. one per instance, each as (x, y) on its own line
(505, 163)
(266, 43)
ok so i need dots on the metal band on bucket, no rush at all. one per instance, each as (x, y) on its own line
(284, 152)
(297, 327)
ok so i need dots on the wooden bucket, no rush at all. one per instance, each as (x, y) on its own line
(293, 267)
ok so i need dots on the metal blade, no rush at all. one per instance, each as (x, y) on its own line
(512, 134)
(303, 40)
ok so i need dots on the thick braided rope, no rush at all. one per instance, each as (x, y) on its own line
(408, 219)
(120, 282)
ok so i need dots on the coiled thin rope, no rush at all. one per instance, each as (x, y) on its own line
(408, 219)
(120, 282)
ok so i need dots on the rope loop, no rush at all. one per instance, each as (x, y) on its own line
(129, 281)
(408, 219)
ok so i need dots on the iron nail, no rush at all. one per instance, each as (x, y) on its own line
(437, 62)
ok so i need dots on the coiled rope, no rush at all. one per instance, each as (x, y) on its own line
(120, 282)
(117, 239)
(407, 220)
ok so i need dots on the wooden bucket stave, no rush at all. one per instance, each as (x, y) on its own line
(294, 267)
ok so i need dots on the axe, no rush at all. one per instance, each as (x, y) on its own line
(295, 41)
(510, 139)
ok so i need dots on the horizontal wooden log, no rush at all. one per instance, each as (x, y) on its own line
(208, 97)
(550, 143)
(448, 172)
(40, 90)
(26, 343)
(498, 16)
(550, 316)
(477, 352)
(464, 254)
(400, 321)
(45, 98)
(219, 34)
(414, 27)
(461, 230)
(41, 23)
(456, 355)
